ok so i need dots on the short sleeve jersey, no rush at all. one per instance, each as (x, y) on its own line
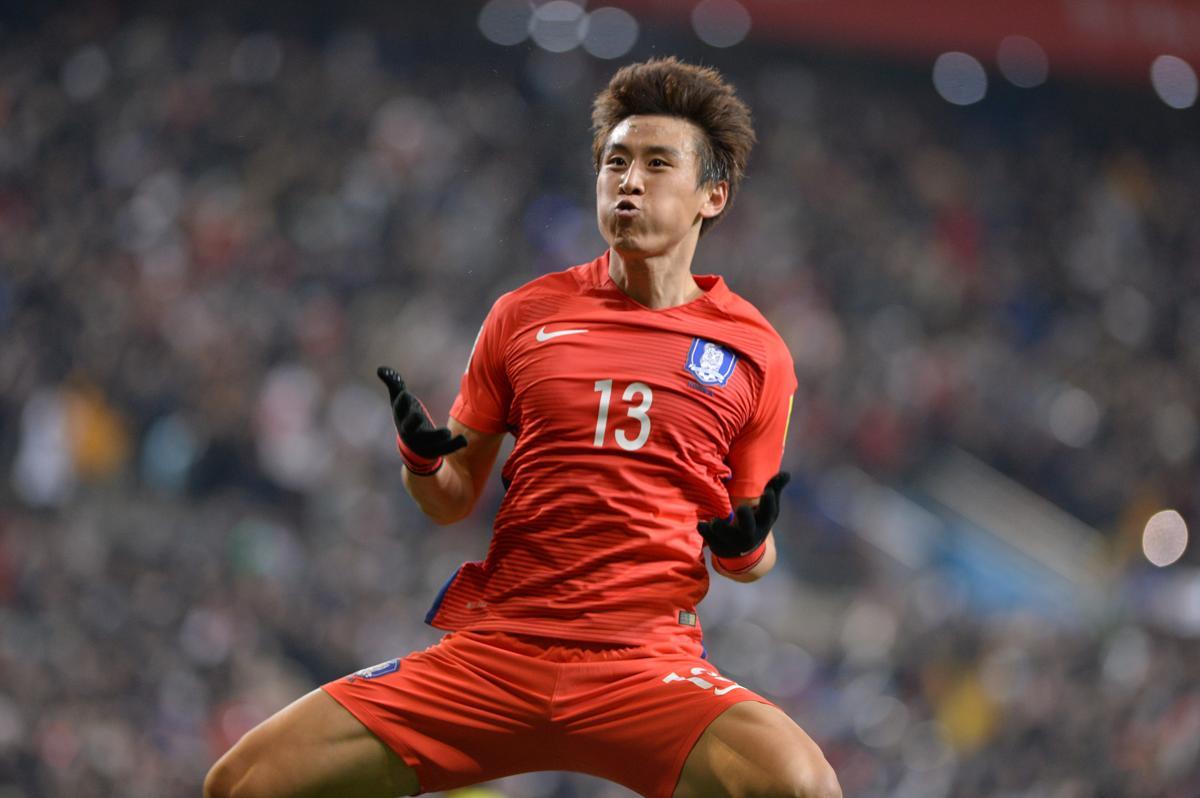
(631, 425)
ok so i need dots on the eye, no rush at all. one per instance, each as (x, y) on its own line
(658, 163)
(615, 161)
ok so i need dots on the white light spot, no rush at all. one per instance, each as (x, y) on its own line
(44, 470)
(256, 59)
(1174, 80)
(721, 23)
(558, 26)
(959, 78)
(1165, 538)
(611, 32)
(1073, 417)
(506, 22)
(86, 73)
(1022, 61)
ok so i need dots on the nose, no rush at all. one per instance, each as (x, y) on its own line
(631, 181)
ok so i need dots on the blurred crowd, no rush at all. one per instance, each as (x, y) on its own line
(211, 234)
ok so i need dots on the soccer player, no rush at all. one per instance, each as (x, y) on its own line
(649, 407)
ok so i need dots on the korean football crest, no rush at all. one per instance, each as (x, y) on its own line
(709, 363)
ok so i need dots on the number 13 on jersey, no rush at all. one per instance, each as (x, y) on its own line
(640, 411)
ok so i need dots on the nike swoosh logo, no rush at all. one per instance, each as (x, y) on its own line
(724, 690)
(542, 335)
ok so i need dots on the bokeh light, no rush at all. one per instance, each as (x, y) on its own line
(1174, 80)
(1165, 538)
(959, 78)
(611, 32)
(558, 26)
(1022, 61)
(506, 22)
(1073, 417)
(720, 23)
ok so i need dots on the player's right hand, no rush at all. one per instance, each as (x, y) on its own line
(422, 445)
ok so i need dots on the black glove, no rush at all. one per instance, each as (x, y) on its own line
(422, 445)
(746, 529)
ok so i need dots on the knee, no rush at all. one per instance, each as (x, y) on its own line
(225, 779)
(219, 781)
(810, 779)
(216, 783)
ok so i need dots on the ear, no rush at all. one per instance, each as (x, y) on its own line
(716, 197)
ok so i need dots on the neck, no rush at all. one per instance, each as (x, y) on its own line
(656, 281)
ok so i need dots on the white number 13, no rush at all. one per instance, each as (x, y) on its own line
(604, 387)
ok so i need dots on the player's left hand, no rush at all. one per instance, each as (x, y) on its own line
(748, 527)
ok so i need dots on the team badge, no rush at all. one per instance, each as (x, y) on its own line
(382, 669)
(710, 363)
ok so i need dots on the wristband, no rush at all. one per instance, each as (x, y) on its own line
(744, 562)
(418, 465)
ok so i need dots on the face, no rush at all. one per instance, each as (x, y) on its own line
(647, 198)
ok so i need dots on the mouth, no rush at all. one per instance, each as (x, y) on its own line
(627, 208)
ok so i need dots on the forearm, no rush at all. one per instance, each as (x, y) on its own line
(760, 569)
(445, 496)
(449, 494)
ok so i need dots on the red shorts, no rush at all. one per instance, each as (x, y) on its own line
(481, 705)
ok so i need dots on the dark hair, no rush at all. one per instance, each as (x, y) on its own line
(669, 87)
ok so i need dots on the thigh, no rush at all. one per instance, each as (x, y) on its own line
(755, 750)
(312, 747)
(634, 721)
(460, 712)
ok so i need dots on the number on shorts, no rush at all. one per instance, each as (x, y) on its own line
(697, 678)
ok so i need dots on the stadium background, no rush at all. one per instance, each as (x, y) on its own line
(215, 222)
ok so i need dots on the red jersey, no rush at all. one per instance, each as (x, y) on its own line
(631, 425)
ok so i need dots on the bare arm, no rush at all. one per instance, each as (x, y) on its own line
(449, 494)
(764, 566)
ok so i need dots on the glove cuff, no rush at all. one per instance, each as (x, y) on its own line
(744, 562)
(418, 465)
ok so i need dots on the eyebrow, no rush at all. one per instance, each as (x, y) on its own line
(653, 149)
